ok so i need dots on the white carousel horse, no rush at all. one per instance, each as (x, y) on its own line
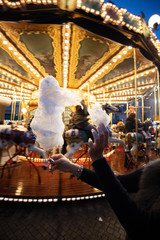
(131, 138)
(75, 137)
(23, 138)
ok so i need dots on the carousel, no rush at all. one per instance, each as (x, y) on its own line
(94, 51)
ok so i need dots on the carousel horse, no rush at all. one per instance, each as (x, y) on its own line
(75, 138)
(132, 136)
(11, 136)
(23, 140)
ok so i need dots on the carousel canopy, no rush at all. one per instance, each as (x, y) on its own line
(86, 45)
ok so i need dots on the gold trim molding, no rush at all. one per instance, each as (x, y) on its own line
(78, 35)
(13, 32)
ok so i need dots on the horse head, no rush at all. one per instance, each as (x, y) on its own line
(109, 108)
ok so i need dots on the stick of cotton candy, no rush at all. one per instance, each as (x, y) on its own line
(98, 115)
(47, 123)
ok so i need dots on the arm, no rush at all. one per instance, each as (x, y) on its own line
(129, 181)
(138, 223)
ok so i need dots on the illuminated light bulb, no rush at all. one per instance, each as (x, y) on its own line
(5, 42)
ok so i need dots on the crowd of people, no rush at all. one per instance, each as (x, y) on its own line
(130, 125)
(79, 119)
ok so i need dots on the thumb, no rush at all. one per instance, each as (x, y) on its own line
(90, 143)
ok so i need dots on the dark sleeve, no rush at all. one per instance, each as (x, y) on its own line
(127, 127)
(138, 223)
(129, 181)
(89, 176)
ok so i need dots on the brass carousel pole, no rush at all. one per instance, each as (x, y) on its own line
(155, 104)
(142, 109)
(110, 113)
(103, 96)
(13, 107)
(20, 105)
(127, 110)
(135, 81)
(88, 96)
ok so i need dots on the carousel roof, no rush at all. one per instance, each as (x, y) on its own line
(85, 45)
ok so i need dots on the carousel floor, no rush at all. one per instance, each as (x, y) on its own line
(20, 181)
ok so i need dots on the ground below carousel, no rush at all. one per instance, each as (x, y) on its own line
(61, 207)
(88, 220)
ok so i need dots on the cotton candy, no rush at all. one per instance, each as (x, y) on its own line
(98, 115)
(47, 123)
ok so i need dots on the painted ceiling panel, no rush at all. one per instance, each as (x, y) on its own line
(124, 67)
(10, 62)
(89, 52)
(75, 57)
(40, 45)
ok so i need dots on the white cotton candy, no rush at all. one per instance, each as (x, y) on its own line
(47, 123)
(98, 115)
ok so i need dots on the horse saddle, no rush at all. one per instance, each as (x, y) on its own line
(20, 137)
(76, 135)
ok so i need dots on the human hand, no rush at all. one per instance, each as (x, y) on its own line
(62, 163)
(59, 161)
(100, 142)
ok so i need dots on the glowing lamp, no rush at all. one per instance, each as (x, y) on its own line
(24, 110)
(154, 20)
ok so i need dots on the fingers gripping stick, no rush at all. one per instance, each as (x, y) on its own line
(51, 164)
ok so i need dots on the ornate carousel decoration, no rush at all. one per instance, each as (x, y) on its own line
(67, 41)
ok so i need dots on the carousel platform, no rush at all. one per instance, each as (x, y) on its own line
(27, 181)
